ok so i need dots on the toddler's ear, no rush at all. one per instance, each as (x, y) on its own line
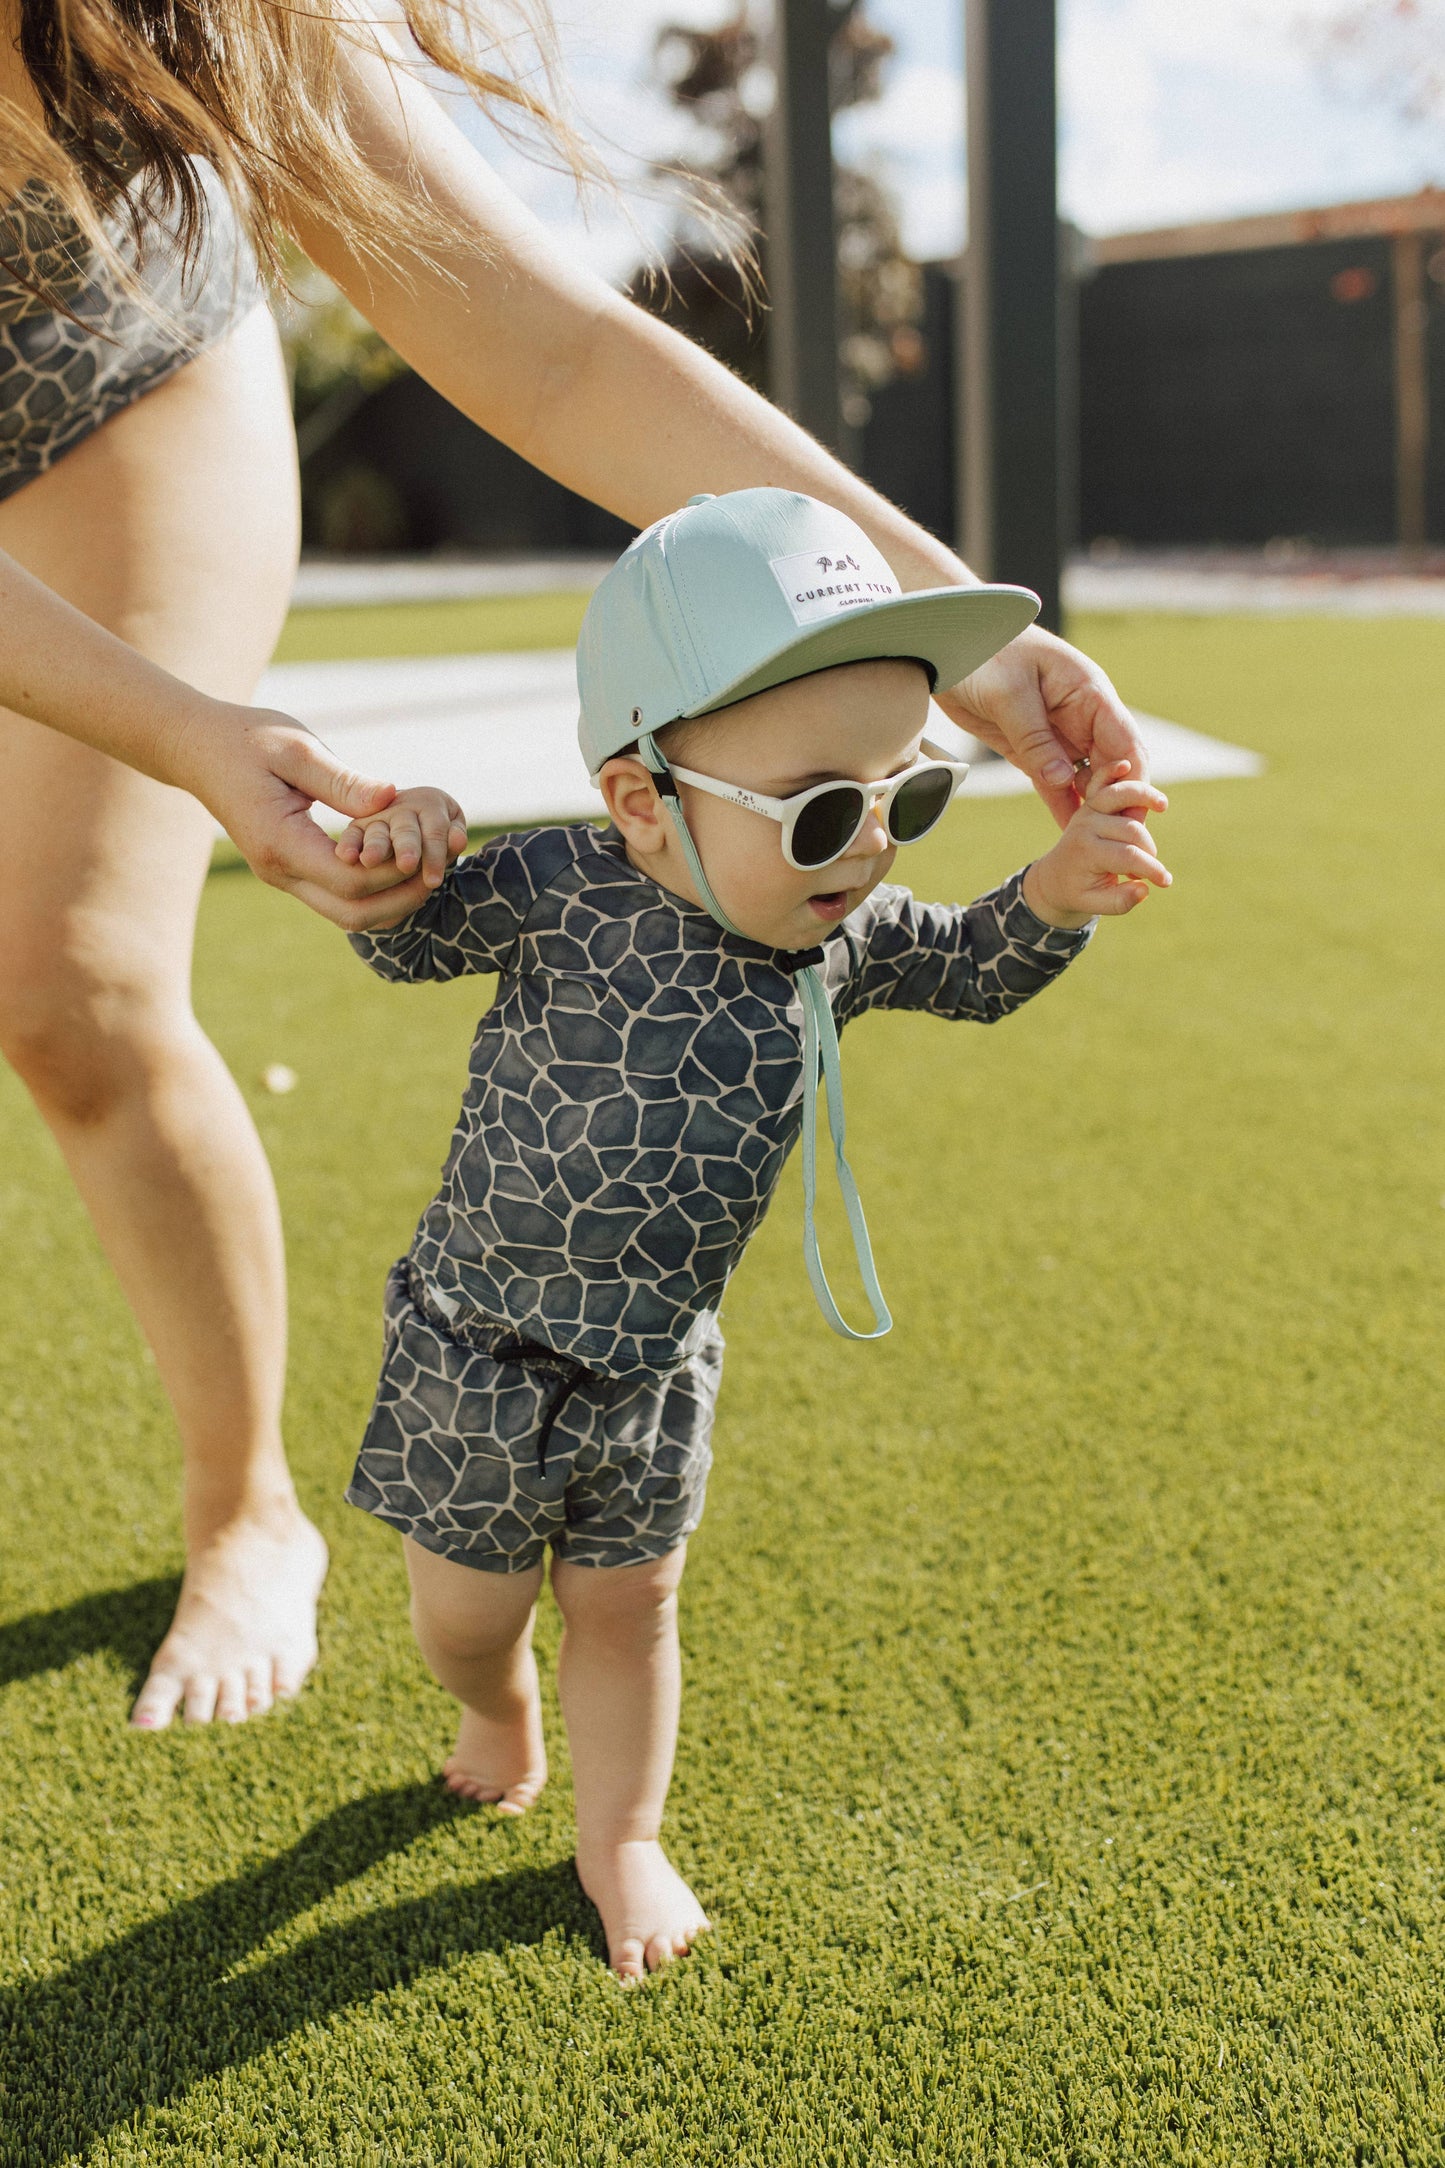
(630, 796)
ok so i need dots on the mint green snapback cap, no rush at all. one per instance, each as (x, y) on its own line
(736, 593)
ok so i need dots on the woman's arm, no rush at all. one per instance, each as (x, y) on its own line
(625, 411)
(259, 772)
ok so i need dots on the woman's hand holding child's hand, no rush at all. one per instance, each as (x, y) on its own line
(420, 828)
(1104, 863)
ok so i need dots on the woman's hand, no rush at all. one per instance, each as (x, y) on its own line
(1044, 706)
(1105, 862)
(260, 773)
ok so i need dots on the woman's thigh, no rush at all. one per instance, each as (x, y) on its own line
(175, 526)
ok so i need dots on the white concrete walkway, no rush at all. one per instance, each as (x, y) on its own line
(1234, 590)
(1282, 581)
(500, 731)
(326, 583)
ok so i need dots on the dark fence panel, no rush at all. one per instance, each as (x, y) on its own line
(409, 472)
(906, 446)
(1221, 399)
(1238, 397)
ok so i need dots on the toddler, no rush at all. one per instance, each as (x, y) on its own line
(755, 704)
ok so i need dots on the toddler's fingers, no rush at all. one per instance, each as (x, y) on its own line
(348, 844)
(1126, 796)
(1130, 863)
(406, 837)
(439, 820)
(376, 840)
(1117, 828)
(1103, 775)
(1115, 898)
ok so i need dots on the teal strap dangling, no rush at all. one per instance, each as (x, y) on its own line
(820, 1048)
(820, 1033)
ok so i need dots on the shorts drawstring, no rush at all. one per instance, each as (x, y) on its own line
(542, 1362)
(503, 1347)
(554, 1409)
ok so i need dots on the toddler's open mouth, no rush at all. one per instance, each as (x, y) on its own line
(831, 907)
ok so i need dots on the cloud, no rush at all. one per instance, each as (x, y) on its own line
(1169, 112)
(1173, 113)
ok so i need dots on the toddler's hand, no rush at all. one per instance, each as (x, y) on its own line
(1104, 863)
(421, 827)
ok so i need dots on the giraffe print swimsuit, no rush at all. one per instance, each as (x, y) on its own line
(551, 1348)
(61, 378)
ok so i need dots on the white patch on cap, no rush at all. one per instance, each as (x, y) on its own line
(829, 582)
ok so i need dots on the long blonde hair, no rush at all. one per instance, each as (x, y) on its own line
(130, 87)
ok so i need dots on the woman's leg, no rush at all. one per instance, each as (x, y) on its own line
(620, 1680)
(475, 1631)
(174, 525)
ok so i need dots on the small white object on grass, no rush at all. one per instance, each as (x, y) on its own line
(277, 1078)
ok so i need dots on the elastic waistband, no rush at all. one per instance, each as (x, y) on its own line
(485, 1336)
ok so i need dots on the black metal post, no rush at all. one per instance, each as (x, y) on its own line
(1009, 511)
(801, 249)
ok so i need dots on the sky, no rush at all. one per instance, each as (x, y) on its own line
(1170, 110)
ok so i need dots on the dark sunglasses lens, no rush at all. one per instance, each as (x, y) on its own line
(919, 804)
(826, 825)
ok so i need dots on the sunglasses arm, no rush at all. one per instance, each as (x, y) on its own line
(733, 793)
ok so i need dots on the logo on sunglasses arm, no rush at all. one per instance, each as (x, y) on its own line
(819, 584)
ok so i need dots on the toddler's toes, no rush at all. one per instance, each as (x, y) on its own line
(649, 1914)
(509, 1799)
(518, 1797)
(499, 1762)
(467, 1786)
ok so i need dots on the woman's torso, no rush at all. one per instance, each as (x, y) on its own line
(65, 370)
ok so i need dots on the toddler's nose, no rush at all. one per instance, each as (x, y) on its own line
(872, 838)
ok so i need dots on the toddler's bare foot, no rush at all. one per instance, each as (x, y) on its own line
(648, 1912)
(244, 1633)
(500, 1761)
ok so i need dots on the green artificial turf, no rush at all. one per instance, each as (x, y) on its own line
(1062, 1757)
(472, 625)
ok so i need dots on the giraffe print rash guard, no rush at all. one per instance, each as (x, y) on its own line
(635, 1087)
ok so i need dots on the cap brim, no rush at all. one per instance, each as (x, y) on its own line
(952, 629)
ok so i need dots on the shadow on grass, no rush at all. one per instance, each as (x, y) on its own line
(130, 1622)
(141, 2022)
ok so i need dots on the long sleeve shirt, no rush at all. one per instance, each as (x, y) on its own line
(635, 1086)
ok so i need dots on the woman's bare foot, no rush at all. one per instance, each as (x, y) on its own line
(648, 1912)
(500, 1761)
(244, 1633)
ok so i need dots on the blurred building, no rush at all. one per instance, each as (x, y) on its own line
(1230, 383)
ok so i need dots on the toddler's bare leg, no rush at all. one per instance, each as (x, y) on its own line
(620, 1681)
(475, 1631)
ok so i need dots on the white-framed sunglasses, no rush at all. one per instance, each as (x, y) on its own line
(823, 822)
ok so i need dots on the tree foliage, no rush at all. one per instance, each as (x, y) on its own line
(1385, 52)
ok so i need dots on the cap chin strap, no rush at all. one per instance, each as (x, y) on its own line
(820, 1047)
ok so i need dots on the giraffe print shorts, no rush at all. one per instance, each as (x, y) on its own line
(485, 1447)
